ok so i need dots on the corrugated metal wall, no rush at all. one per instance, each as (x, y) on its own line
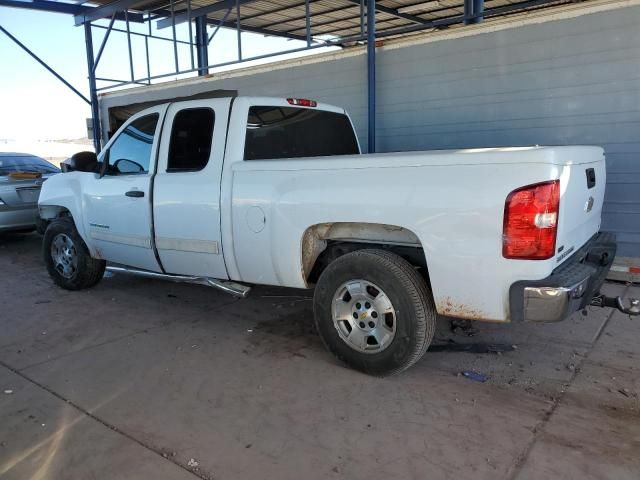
(570, 81)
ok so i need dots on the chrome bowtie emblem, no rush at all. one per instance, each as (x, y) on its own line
(589, 205)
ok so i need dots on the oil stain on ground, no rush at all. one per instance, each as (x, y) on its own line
(287, 334)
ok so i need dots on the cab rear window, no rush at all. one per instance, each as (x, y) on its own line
(290, 132)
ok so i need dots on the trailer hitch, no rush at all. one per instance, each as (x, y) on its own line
(633, 309)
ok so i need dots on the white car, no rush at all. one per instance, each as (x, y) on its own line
(230, 192)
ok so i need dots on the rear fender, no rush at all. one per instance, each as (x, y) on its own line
(316, 237)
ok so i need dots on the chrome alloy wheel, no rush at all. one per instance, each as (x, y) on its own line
(64, 255)
(364, 316)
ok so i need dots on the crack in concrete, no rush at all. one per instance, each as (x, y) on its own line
(89, 347)
(96, 345)
(104, 423)
(521, 460)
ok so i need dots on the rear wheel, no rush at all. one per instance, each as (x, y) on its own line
(67, 257)
(374, 311)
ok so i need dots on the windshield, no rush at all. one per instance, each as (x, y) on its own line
(25, 163)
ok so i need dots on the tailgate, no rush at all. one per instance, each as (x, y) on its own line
(582, 184)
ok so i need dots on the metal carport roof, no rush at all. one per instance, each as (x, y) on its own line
(318, 23)
(328, 19)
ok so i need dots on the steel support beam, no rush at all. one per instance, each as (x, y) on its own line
(354, 4)
(146, 50)
(379, 22)
(129, 47)
(371, 74)
(175, 43)
(44, 6)
(304, 17)
(189, 18)
(138, 34)
(60, 7)
(107, 10)
(394, 12)
(277, 10)
(232, 24)
(95, 112)
(261, 31)
(42, 62)
(202, 43)
(478, 9)
(318, 25)
(239, 29)
(307, 22)
(443, 22)
(219, 25)
(472, 11)
(103, 44)
(183, 15)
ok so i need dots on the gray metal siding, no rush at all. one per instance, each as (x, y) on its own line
(570, 81)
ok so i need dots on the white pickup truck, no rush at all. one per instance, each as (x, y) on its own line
(230, 192)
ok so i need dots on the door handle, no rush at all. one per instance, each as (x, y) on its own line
(134, 193)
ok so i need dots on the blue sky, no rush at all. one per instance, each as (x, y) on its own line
(35, 105)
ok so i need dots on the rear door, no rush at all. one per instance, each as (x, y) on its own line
(186, 203)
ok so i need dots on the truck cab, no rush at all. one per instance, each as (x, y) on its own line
(165, 165)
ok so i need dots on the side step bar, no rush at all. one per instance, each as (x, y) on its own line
(233, 288)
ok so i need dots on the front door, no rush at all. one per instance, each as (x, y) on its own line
(118, 204)
(186, 207)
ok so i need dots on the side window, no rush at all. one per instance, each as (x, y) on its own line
(130, 153)
(290, 132)
(191, 136)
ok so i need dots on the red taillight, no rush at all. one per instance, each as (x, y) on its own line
(302, 102)
(531, 221)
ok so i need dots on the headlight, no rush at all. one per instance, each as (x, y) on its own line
(1, 202)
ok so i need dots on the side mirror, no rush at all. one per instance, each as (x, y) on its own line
(123, 165)
(81, 162)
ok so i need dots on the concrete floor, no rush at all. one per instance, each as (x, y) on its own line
(139, 379)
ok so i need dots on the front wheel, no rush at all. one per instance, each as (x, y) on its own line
(374, 311)
(67, 257)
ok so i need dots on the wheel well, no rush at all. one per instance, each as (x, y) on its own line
(51, 212)
(324, 243)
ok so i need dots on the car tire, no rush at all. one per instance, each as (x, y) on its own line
(67, 257)
(374, 293)
(41, 225)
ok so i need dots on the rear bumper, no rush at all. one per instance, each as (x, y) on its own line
(569, 288)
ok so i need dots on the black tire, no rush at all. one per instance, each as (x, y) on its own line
(89, 270)
(41, 225)
(415, 312)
